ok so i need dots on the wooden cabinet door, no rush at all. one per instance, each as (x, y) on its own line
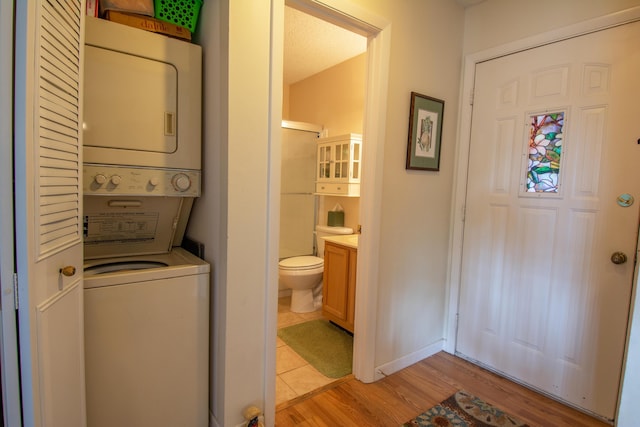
(335, 282)
(351, 292)
(339, 282)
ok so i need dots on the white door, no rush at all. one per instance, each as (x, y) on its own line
(554, 155)
(48, 230)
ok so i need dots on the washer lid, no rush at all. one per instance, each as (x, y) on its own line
(301, 263)
(110, 267)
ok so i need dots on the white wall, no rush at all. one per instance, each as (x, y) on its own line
(629, 411)
(496, 22)
(232, 217)
(426, 44)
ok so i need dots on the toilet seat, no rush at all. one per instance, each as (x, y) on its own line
(301, 263)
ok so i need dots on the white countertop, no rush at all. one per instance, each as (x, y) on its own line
(350, 240)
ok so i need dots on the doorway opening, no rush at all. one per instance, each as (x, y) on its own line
(323, 83)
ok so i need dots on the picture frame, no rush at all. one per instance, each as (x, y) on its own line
(425, 132)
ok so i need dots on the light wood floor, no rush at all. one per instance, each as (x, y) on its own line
(411, 391)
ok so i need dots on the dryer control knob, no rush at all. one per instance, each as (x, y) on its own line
(153, 181)
(116, 179)
(100, 179)
(181, 182)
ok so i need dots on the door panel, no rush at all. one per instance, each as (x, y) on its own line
(60, 342)
(540, 299)
(48, 230)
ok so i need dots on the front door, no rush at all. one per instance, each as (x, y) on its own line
(552, 209)
(48, 226)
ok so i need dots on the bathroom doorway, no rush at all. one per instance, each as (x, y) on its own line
(322, 93)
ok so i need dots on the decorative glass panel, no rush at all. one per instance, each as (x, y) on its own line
(356, 161)
(342, 161)
(324, 162)
(545, 152)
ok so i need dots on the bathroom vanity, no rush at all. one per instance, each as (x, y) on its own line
(339, 280)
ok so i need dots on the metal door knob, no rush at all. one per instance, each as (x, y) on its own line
(68, 271)
(618, 258)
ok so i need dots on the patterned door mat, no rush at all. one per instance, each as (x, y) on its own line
(464, 410)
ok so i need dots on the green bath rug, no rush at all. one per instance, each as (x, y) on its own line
(325, 346)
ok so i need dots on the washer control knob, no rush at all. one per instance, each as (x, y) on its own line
(116, 179)
(100, 179)
(153, 181)
(181, 182)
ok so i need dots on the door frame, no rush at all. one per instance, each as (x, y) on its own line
(12, 411)
(464, 141)
(377, 30)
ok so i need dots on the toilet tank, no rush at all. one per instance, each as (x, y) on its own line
(325, 230)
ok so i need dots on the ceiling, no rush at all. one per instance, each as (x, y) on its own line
(312, 45)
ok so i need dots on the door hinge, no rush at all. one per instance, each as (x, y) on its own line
(471, 95)
(464, 212)
(15, 291)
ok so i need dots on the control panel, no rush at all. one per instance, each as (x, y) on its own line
(119, 180)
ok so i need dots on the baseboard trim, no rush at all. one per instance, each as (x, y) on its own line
(408, 360)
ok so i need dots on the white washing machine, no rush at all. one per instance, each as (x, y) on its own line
(146, 301)
(147, 340)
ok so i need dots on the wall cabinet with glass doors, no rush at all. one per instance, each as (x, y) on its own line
(339, 165)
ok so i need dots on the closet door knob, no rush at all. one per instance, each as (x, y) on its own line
(618, 258)
(68, 271)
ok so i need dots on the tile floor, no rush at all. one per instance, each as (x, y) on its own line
(294, 376)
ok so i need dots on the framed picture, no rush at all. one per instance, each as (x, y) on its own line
(425, 132)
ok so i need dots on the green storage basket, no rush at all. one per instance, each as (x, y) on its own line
(180, 12)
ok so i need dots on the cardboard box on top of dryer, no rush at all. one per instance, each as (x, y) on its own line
(150, 24)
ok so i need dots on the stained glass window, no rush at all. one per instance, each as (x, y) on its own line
(545, 152)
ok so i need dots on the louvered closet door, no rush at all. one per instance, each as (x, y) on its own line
(49, 42)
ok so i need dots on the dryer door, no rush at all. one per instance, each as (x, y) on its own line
(130, 103)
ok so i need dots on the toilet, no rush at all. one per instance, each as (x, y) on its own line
(303, 274)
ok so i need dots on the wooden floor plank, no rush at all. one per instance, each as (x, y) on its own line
(401, 396)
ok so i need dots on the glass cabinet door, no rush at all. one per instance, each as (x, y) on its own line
(356, 161)
(342, 161)
(324, 162)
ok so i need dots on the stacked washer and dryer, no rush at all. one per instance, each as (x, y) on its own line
(146, 298)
